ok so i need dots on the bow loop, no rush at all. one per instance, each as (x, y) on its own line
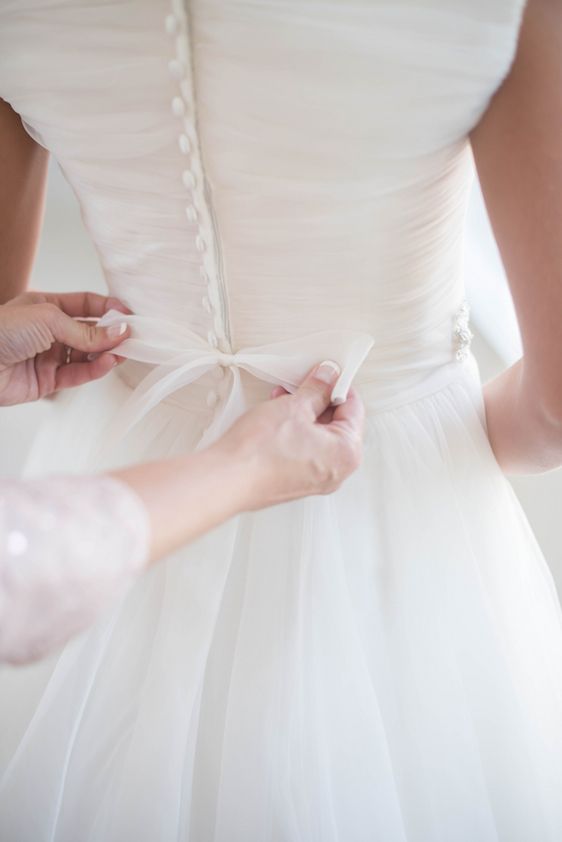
(180, 357)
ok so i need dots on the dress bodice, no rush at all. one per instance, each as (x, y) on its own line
(259, 171)
(287, 180)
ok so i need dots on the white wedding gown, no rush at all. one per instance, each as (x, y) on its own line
(270, 183)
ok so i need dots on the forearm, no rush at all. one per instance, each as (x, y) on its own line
(516, 147)
(71, 545)
(525, 438)
(186, 496)
(23, 176)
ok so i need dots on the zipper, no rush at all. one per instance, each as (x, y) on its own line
(219, 264)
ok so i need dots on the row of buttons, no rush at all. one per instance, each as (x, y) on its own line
(176, 25)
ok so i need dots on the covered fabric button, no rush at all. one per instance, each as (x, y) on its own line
(176, 68)
(188, 179)
(171, 24)
(184, 144)
(206, 304)
(178, 106)
(212, 339)
(200, 243)
(191, 213)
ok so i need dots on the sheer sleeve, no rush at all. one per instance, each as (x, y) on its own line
(68, 546)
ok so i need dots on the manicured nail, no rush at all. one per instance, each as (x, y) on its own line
(327, 371)
(116, 330)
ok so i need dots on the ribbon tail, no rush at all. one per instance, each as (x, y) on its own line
(287, 364)
(355, 357)
(152, 390)
(153, 340)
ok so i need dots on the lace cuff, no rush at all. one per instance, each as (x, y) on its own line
(68, 545)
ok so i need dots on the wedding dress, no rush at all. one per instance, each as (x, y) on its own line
(270, 183)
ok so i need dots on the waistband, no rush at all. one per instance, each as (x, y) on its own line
(408, 390)
(172, 358)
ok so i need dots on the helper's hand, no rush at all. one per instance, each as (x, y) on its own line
(44, 347)
(297, 445)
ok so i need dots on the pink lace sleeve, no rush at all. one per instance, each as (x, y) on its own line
(68, 545)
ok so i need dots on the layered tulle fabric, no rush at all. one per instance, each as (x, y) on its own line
(268, 183)
(384, 662)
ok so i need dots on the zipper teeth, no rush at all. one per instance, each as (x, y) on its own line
(219, 263)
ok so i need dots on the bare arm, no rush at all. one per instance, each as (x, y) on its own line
(517, 149)
(70, 545)
(23, 177)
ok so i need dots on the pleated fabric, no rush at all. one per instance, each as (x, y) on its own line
(266, 182)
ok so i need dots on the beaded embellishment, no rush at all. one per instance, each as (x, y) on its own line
(462, 333)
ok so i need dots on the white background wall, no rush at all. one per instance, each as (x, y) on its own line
(66, 260)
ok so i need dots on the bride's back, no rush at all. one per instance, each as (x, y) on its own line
(259, 171)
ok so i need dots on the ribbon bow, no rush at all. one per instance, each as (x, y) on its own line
(180, 357)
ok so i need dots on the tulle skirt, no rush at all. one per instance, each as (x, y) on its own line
(383, 663)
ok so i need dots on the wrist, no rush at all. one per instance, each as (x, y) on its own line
(233, 466)
(523, 438)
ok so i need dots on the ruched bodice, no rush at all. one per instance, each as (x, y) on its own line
(260, 171)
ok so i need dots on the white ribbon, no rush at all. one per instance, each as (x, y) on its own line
(180, 357)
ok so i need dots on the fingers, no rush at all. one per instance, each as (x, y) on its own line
(351, 414)
(76, 374)
(66, 355)
(82, 336)
(316, 389)
(84, 304)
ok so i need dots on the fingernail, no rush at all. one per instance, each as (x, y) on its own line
(92, 356)
(116, 330)
(327, 371)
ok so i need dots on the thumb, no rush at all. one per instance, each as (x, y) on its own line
(85, 336)
(316, 389)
